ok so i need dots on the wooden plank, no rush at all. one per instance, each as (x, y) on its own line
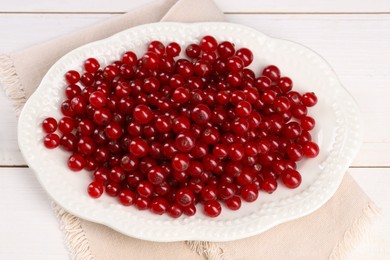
(230, 6)
(15, 34)
(355, 45)
(27, 221)
(42, 238)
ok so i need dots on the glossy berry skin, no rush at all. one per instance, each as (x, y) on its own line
(269, 185)
(173, 49)
(85, 127)
(117, 174)
(245, 55)
(309, 99)
(243, 109)
(113, 131)
(201, 114)
(294, 152)
(129, 58)
(235, 64)
(209, 192)
(95, 189)
(127, 197)
(157, 47)
(110, 72)
(184, 197)
(72, 77)
(97, 99)
(72, 91)
(226, 49)
(272, 72)
(150, 60)
(86, 145)
(76, 162)
(285, 84)
(282, 104)
(236, 152)
(307, 123)
(138, 147)
(180, 162)
(311, 149)
(91, 65)
(102, 116)
(51, 141)
(68, 142)
(208, 44)
(249, 193)
(165, 133)
(142, 114)
(226, 191)
(212, 208)
(66, 125)
(234, 203)
(145, 189)
(291, 178)
(49, 125)
(156, 175)
(175, 210)
(142, 203)
(163, 124)
(181, 95)
(185, 142)
(159, 206)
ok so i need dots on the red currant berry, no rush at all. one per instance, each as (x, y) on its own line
(72, 77)
(51, 141)
(49, 125)
(91, 65)
(138, 147)
(184, 197)
(95, 189)
(212, 208)
(272, 72)
(311, 149)
(127, 197)
(309, 99)
(234, 203)
(249, 192)
(291, 178)
(159, 205)
(76, 162)
(180, 162)
(208, 44)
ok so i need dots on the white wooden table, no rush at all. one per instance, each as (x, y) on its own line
(352, 35)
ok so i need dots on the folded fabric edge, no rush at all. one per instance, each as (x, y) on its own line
(355, 232)
(11, 83)
(75, 238)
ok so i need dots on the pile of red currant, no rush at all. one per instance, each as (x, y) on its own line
(165, 133)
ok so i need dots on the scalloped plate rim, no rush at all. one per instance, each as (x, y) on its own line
(258, 229)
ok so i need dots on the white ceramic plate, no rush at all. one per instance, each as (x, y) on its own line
(337, 132)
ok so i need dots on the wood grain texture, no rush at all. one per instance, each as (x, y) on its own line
(262, 6)
(29, 229)
(355, 46)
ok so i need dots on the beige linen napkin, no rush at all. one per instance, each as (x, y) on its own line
(328, 233)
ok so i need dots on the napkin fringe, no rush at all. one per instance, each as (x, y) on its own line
(11, 82)
(209, 250)
(355, 232)
(75, 238)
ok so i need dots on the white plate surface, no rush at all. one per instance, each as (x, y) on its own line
(337, 132)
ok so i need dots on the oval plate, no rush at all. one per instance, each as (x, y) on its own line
(337, 132)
